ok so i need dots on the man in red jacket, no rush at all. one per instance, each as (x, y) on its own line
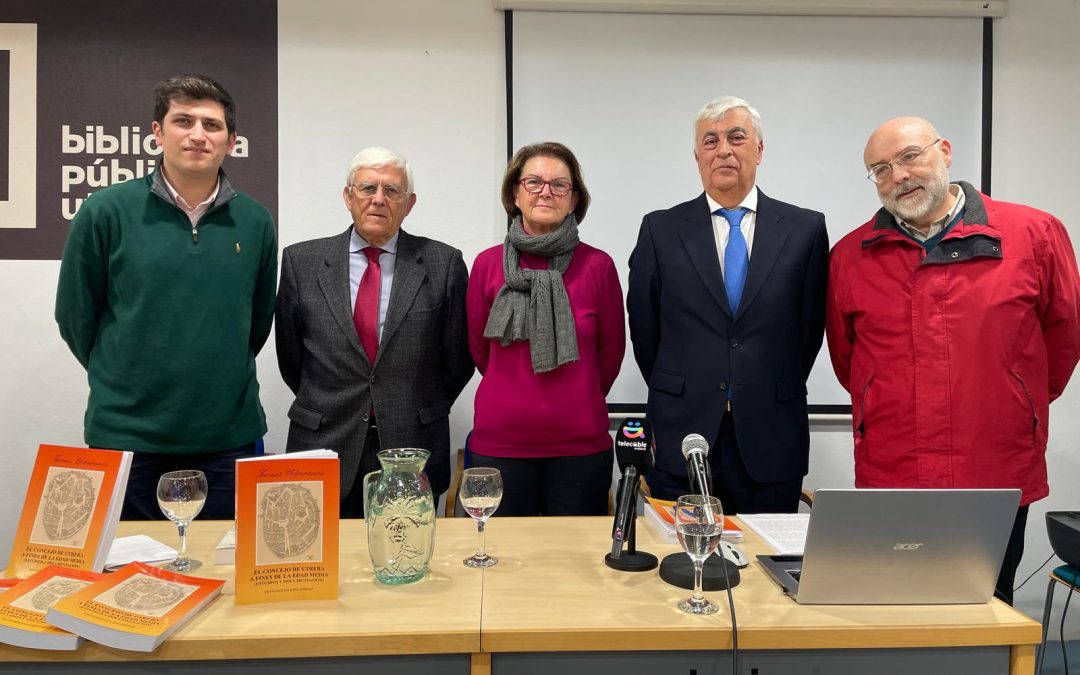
(953, 320)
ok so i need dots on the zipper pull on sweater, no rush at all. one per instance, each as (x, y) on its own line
(194, 234)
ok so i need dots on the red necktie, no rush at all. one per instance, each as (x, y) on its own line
(366, 312)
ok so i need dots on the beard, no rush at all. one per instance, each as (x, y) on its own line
(915, 208)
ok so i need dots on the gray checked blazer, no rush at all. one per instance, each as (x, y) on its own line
(422, 365)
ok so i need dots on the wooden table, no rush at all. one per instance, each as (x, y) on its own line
(550, 605)
(546, 597)
(438, 616)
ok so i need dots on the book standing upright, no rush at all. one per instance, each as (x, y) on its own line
(72, 505)
(287, 527)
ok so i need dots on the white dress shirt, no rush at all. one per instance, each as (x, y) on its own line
(722, 229)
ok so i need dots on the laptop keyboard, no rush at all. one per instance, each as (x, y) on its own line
(795, 574)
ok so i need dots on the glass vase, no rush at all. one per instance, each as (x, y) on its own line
(399, 511)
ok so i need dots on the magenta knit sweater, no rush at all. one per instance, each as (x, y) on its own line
(519, 413)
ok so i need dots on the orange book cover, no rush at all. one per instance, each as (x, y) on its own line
(666, 510)
(71, 509)
(287, 527)
(23, 608)
(136, 608)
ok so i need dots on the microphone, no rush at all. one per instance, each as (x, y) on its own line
(627, 493)
(634, 453)
(718, 572)
(636, 456)
(695, 449)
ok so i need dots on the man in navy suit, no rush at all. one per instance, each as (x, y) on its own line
(727, 311)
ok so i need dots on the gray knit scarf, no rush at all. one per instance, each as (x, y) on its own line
(532, 305)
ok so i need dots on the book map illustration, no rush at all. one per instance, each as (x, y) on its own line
(290, 522)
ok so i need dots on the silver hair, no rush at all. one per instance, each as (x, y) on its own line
(374, 157)
(718, 107)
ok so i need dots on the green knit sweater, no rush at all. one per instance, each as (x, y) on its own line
(167, 322)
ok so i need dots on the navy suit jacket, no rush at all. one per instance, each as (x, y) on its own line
(692, 349)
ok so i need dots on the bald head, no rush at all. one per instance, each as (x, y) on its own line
(895, 135)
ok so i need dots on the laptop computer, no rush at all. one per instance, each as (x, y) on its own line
(899, 547)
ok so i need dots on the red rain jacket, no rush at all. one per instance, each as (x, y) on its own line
(952, 357)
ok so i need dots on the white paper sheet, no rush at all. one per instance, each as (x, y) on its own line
(785, 532)
(137, 547)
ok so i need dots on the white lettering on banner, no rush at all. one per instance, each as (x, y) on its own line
(100, 172)
(95, 141)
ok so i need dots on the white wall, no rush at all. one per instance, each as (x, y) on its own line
(422, 77)
(1035, 142)
(42, 387)
(658, 90)
(426, 77)
(1036, 146)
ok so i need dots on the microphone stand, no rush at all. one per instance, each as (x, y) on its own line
(630, 560)
(717, 574)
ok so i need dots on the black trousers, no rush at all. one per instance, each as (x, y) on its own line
(1013, 553)
(352, 500)
(732, 483)
(553, 486)
(140, 500)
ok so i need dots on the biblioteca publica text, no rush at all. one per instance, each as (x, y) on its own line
(109, 158)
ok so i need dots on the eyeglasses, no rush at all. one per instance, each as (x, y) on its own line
(560, 187)
(391, 192)
(879, 172)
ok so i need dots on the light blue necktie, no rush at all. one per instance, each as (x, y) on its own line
(736, 259)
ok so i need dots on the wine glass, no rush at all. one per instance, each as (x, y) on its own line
(699, 522)
(181, 495)
(481, 491)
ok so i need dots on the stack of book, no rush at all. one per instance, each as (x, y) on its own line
(135, 608)
(660, 515)
(23, 608)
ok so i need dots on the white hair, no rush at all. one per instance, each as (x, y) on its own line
(718, 107)
(375, 157)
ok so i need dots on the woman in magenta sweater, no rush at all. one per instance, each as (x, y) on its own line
(547, 333)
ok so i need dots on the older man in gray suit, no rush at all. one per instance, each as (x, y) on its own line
(371, 332)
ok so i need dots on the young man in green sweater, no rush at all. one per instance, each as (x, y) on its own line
(166, 294)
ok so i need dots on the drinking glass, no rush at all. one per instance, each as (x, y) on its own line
(181, 495)
(699, 522)
(481, 491)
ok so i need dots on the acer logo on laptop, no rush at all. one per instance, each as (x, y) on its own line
(907, 547)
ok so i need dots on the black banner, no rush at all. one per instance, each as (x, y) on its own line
(5, 97)
(97, 64)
